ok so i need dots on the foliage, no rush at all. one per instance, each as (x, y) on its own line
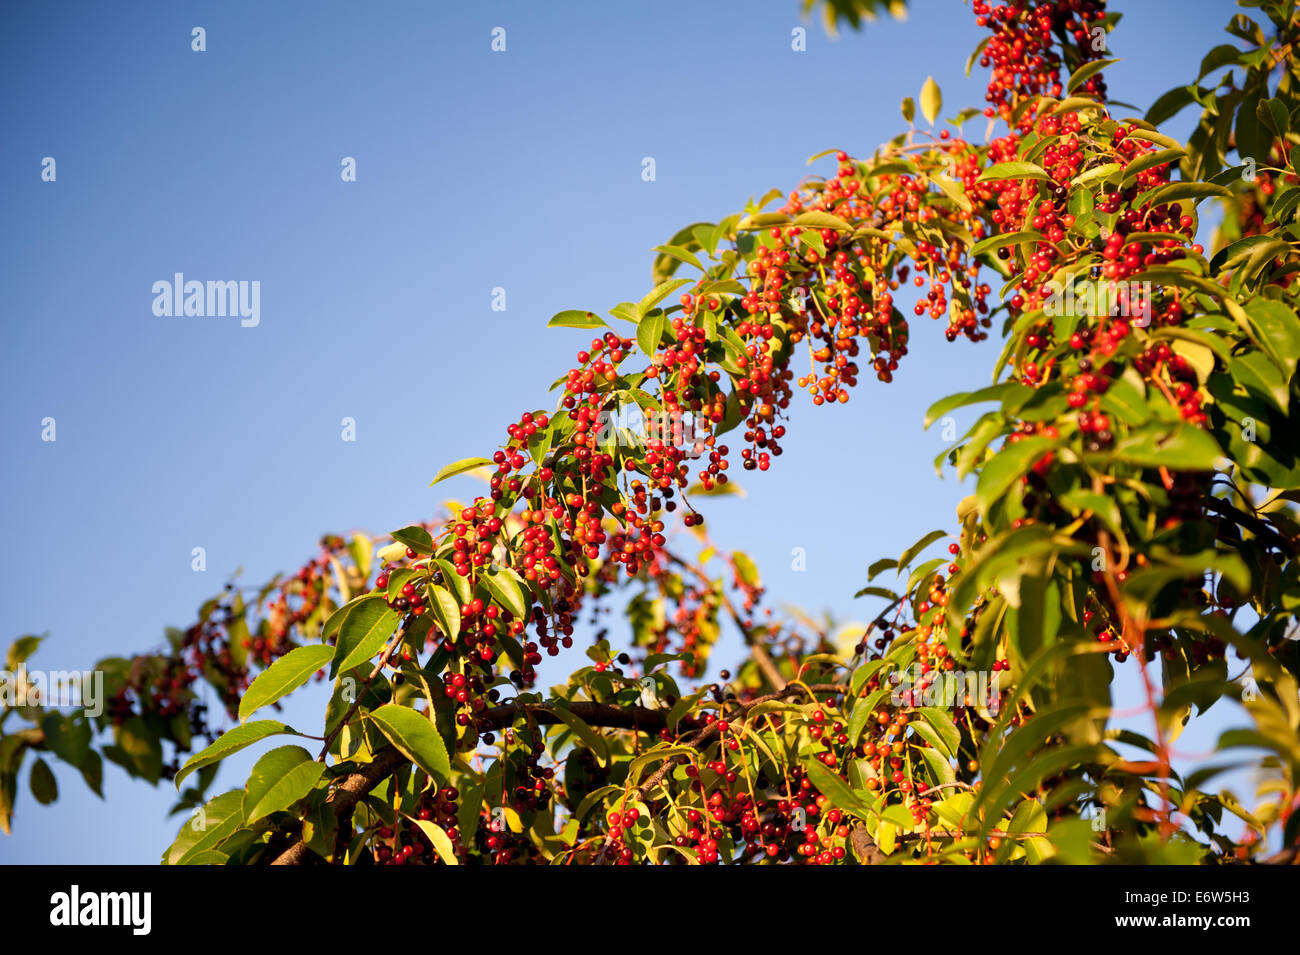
(1134, 473)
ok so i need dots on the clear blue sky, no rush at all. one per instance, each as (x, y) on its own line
(475, 170)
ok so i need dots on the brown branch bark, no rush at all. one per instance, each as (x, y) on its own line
(1288, 856)
(594, 714)
(864, 847)
(344, 799)
(1262, 529)
(393, 644)
(706, 734)
(388, 760)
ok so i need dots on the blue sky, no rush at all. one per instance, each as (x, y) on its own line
(475, 170)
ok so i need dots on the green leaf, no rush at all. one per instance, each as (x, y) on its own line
(1085, 73)
(20, 650)
(1273, 114)
(650, 330)
(1158, 138)
(665, 263)
(92, 771)
(664, 267)
(415, 736)
(1259, 376)
(746, 569)
(335, 620)
(909, 109)
(576, 318)
(887, 837)
(657, 295)
(1278, 329)
(507, 589)
(279, 779)
(67, 737)
(1149, 161)
(1028, 817)
(837, 791)
(445, 610)
(625, 311)
(464, 589)
(862, 709)
(880, 566)
(1008, 466)
(975, 54)
(397, 580)
(1284, 205)
(142, 748)
(283, 677)
(416, 538)
(1169, 104)
(1125, 402)
(954, 191)
(1097, 172)
(1178, 446)
(232, 741)
(1005, 392)
(460, 467)
(1220, 56)
(363, 633)
(1177, 191)
(593, 740)
(919, 546)
(762, 220)
(931, 100)
(440, 840)
(944, 727)
(1016, 169)
(8, 793)
(995, 242)
(1164, 275)
(822, 220)
(44, 786)
(211, 826)
(1101, 505)
(361, 549)
(889, 167)
(471, 803)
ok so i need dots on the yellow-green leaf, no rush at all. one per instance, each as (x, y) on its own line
(278, 780)
(233, 741)
(931, 100)
(283, 677)
(460, 467)
(415, 736)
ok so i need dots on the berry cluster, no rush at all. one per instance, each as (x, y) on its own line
(409, 844)
(1023, 54)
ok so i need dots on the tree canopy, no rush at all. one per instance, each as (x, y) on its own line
(1136, 470)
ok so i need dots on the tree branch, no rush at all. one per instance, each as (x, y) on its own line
(1263, 530)
(705, 734)
(344, 799)
(388, 760)
(593, 714)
